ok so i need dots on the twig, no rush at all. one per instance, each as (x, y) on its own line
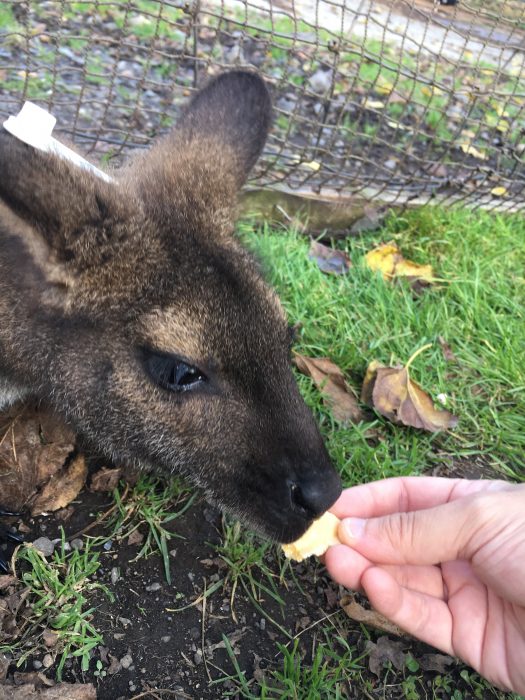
(145, 694)
(202, 633)
(101, 518)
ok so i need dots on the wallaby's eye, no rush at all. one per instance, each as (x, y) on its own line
(172, 373)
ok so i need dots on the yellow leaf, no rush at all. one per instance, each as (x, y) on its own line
(498, 191)
(407, 268)
(388, 260)
(384, 87)
(382, 259)
(471, 150)
(313, 165)
(373, 104)
(397, 125)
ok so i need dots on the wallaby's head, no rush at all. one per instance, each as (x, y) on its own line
(132, 309)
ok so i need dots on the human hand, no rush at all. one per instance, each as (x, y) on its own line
(445, 560)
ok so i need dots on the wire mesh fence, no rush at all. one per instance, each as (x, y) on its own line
(391, 101)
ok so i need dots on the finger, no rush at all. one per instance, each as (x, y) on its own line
(346, 566)
(475, 628)
(423, 579)
(402, 494)
(421, 615)
(455, 530)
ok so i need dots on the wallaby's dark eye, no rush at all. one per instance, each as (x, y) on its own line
(172, 373)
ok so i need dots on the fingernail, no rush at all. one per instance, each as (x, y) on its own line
(353, 528)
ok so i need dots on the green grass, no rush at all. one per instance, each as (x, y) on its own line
(150, 505)
(477, 309)
(57, 590)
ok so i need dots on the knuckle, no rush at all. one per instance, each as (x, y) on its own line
(399, 530)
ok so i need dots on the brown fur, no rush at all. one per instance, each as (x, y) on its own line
(92, 274)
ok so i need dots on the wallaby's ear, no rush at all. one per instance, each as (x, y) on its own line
(235, 110)
(73, 210)
(193, 174)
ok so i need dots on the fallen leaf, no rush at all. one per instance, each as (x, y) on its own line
(431, 90)
(392, 392)
(10, 605)
(369, 617)
(136, 537)
(4, 665)
(62, 488)
(34, 445)
(471, 150)
(50, 638)
(438, 663)
(373, 104)
(388, 260)
(7, 580)
(105, 480)
(385, 651)
(330, 381)
(329, 260)
(382, 259)
(313, 165)
(383, 86)
(37, 678)
(447, 352)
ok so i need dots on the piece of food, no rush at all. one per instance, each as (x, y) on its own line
(321, 534)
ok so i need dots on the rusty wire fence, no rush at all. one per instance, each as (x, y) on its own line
(388, 101)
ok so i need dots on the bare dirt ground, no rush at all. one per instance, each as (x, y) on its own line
(166, 641)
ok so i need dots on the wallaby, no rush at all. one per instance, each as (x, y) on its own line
(132, 310)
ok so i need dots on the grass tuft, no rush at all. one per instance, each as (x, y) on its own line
(57, 592)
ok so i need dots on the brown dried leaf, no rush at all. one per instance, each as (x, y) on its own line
(4, 665)
(400, 399)
(136, 537)
(106, 479)
(37, 678)
(438, 663)
(330, 381)
(357, 612)
(447, 352)
(50, 638)
(329, 260)
(6, 580)
(383, 652)
(62, 488)
(33, 446)
(9, 612)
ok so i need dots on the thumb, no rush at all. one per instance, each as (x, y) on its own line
(443, 533)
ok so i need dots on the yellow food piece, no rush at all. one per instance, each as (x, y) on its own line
(321, 534)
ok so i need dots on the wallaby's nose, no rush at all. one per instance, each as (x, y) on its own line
(313, 497)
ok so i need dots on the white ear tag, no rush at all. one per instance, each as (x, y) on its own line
(34, 126)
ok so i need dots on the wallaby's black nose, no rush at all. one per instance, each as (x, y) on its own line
(314, 497)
